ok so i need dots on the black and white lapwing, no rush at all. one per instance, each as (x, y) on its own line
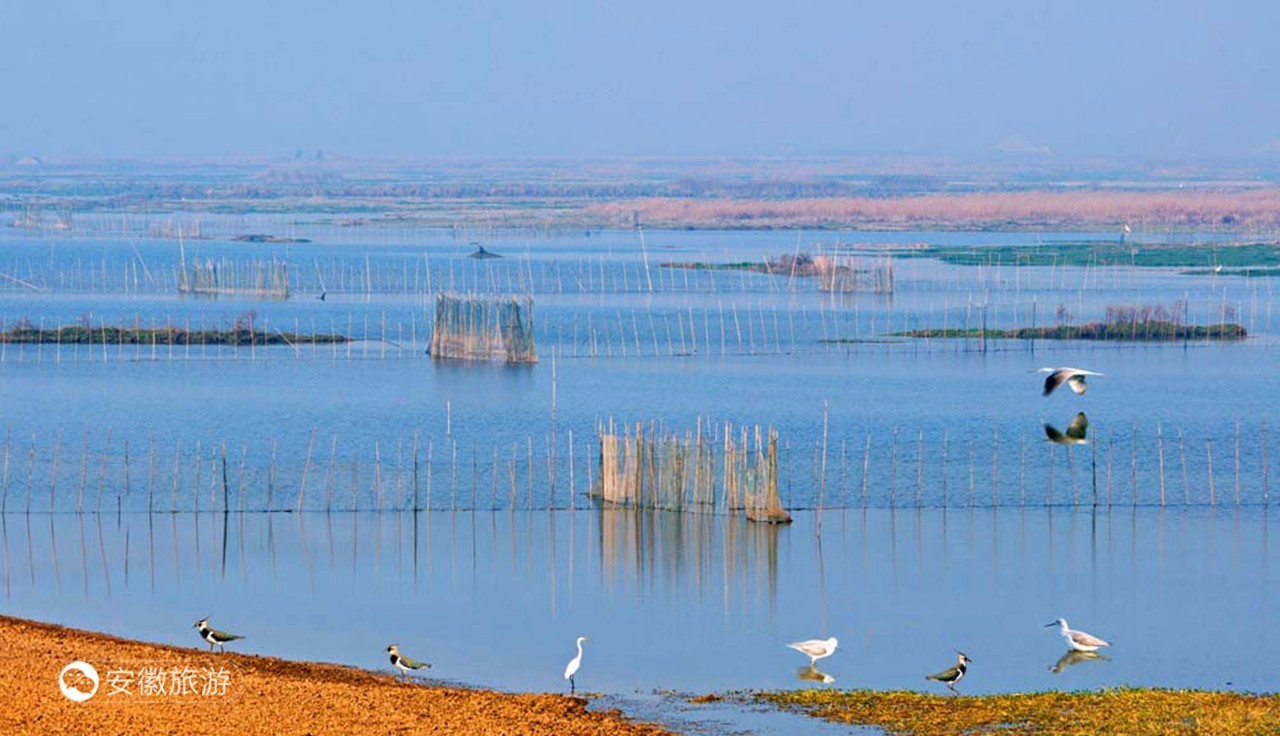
(953, 675)
(1072, 377)
(213, 636)
(403, 663)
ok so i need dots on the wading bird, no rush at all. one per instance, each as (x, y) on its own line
(1076, 433)
(1073, 377)
(1078, 640)
(953, 675)
(403, 663)
(816, 648)
(571, 669)
(213, 636)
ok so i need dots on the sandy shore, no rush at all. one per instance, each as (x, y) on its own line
(239, 694)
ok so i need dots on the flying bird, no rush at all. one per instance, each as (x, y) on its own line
(1075, 434)
(213, 636)
(1073, 377)
(403, 663)
(1078, 640)
(571, 669)
(950, 677)
(816, 648)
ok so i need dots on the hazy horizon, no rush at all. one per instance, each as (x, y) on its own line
(1058, 81)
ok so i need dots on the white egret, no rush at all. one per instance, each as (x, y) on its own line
(571, 669)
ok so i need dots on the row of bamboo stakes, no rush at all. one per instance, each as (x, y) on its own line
(700, 471)
(521, 273)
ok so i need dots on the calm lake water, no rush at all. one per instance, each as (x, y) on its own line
(686, 602)
(947, 522)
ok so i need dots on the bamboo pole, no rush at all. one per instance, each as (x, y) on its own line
(84, 468)
(306, 466)
(31, 469)
(995, 467)
(920, 469)
(1208, 448)
(945, 447)
(4, 494)
(102, 474)
(1160, 448)
(1186, 485)
(1022, 469)
(893, 471)
(1237, 462)
(271, 476)
(1266, 484)
(1133, 465)
(415, 471)
(177, 464)
(822, 484)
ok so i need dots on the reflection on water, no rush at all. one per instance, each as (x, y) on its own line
(493, 596)
(1074, 657)
(813, 674)
(1076, 434)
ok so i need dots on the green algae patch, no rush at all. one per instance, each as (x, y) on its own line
(25, 333)
(1146, 331)
(1135, 711)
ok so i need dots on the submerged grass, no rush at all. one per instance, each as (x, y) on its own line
(1135, 711)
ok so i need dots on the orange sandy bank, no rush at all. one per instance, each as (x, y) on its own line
(189, 691)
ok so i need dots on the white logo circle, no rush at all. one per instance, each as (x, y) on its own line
(78, 681)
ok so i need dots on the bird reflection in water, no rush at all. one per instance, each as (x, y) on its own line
(1076, 434)
(1075, 657)
(813, 674)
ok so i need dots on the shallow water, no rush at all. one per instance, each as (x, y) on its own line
(949, 522)
(684, 602)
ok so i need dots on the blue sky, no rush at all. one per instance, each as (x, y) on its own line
(1176, 80)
